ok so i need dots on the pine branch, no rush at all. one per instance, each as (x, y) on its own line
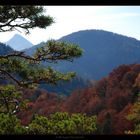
(10, 76)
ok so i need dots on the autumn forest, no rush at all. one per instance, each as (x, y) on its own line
(29, 105)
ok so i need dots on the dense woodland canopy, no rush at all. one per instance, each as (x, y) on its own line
(110, 106)
(114, 100)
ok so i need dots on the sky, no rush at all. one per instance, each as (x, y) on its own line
(123, 20)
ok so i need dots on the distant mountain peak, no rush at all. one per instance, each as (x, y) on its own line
(18, 43)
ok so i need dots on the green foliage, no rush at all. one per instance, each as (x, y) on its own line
(84, 124)
(9, 124)
(40, 125)
(25, 71)
(23, 17)
(135, 112)
(9, 98)
(63, 123)
(36, 129)
(134, 116)
(58, 51)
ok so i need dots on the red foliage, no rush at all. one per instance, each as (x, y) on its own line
(121, 124)
(102, 114)
(119, 100)
(30, 105)
(84, 101)
(25, 116)
(119, 72)
(44, 104)
(113, 94)
(101, 87)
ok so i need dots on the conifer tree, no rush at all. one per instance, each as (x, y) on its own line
(24, 71)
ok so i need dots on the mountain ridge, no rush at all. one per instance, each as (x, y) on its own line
(103, 51)
(100, 30)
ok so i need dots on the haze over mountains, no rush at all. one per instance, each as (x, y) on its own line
(103, 51)
(18, 43)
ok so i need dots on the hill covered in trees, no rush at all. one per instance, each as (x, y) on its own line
(112, 99)
(66, 87)
(5, 49)
(103, 51)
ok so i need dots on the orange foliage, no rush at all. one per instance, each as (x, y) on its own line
(121, 124)
(113, 94)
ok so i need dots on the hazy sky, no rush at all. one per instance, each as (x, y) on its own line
(124, 20)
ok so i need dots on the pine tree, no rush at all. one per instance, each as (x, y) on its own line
(23, 71)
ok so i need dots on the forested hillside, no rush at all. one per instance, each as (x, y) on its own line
(103, 51)
(111, 99)
(5, 49)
